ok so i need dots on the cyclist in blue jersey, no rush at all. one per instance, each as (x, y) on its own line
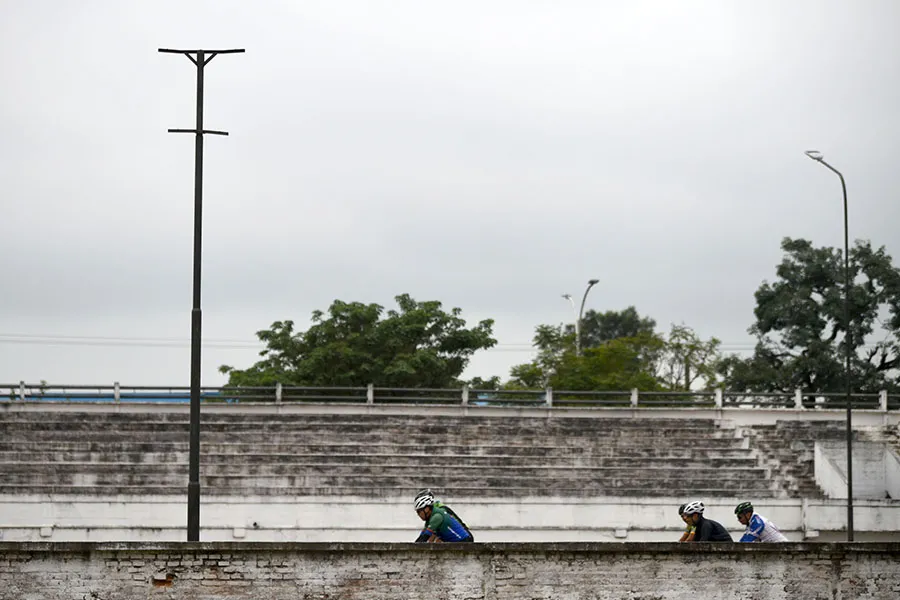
(759, 528)
(441, 523)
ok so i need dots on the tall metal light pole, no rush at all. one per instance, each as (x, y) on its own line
(193, 516)
(579, 313)
(848, 339)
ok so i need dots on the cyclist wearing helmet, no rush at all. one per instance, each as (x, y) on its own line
(441, 523)
(759, 528)
(707, 529)
(690, 531)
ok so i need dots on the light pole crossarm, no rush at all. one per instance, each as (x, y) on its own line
(207, 55)
(177, 51)
(209, 131)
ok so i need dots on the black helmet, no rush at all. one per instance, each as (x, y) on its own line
(681, 509)
(742, 508)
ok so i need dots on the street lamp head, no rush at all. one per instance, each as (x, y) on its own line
(567, 296)
(815, 155)
(593, 281)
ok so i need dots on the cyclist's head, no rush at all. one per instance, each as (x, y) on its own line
(693, 508)
(681, 514)
(744, 511)
(743, 507)
(423, 503)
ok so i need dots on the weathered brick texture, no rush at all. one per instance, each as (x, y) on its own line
(633, 571)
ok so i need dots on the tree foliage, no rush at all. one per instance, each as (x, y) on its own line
(600, 327)
(354, 344)
(622, 352)
(619, 364)
(800, 327)
(687, 360)
(491, 383)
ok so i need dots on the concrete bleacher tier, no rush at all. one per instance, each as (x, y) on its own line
(377, 455)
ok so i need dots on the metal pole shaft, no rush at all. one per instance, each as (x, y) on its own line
(193, 518)
(577, 335)
(849, 352)
(578, 321)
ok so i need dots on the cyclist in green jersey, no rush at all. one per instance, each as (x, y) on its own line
(441, 523)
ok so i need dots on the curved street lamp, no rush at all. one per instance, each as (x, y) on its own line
(817, 156)
(579, 313)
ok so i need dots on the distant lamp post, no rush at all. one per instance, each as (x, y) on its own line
(579, 313)
(817, 156)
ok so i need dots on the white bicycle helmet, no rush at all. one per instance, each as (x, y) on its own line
(695, 507)
(424, 500)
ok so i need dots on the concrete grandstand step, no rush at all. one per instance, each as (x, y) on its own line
(597, 480)
(280, 427)
(293, 439)
(469, 426)
(372, 469)
(135, 422)
(131, 447)
(76, 458)
(377, 493)
(697, 450)
(317, 420)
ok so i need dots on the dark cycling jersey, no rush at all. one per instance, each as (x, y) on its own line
(711, 531)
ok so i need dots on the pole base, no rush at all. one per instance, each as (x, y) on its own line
(193, 521)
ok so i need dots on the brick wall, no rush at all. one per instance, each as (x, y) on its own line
(634, 571)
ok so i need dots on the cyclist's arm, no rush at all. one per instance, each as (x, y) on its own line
(754, 529)
(433, 527)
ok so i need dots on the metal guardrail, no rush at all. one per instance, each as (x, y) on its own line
(464, 396)
(756, 400)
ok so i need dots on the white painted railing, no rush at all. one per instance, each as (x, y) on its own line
(465, 396)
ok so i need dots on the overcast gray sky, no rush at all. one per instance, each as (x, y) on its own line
(489, 154)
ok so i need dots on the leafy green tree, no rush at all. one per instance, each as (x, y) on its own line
(600, 327)
(626, 360)
(686, 359)
(491, 383)
(800, 330)
(619, 364)
(419, 345)
(553, 343)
